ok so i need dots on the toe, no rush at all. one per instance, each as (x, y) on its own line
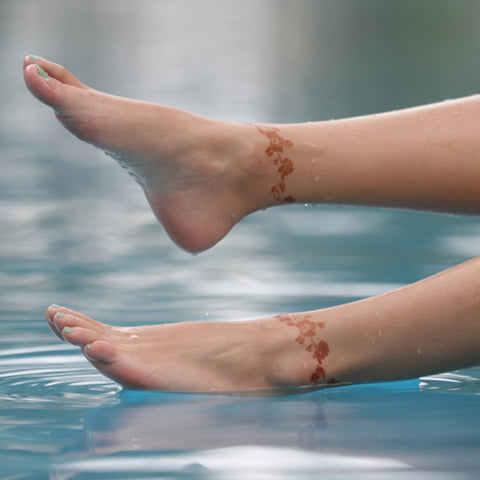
(100, 351)
(79, 336)
(54, 70)
(65, 98)
(46, 88)
(53, 327)
(53, 309)
(63, 320)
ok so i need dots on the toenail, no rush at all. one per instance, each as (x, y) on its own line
(34, 58)
(54, 305)
(59, 315)
(68, 329)
(42, 72)
(89, 346)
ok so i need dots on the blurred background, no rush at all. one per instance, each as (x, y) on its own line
(74, 228)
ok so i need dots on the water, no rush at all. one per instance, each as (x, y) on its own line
(76, 231)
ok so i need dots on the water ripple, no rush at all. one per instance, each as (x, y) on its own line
(49, 373)
(464, 381)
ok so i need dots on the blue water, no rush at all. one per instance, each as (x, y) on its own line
(75, 230)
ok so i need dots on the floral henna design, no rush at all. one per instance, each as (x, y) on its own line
(307, 330)
(284, 164)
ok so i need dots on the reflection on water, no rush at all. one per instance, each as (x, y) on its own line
(338, 432)
(75, 230)
(240, 463)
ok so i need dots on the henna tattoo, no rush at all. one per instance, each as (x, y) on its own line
(307, 329)
(284, 164)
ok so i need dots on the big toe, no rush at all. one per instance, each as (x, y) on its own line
(40, 83)
(66, 98)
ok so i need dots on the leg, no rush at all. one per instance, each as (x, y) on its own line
(428, 327)
(201, 184)
(202, 176)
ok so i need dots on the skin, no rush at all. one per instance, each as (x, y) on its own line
(199, 185)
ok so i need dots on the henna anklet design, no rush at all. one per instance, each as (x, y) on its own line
(307, 329)
(284, 164)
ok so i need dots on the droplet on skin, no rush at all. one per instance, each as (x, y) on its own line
(133, 336)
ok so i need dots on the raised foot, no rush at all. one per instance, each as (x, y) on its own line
(194, 171)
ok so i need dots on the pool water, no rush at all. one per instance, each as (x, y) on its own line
(75, 230)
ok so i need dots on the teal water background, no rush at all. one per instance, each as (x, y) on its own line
(75, 230)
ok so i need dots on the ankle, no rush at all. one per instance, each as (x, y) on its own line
(256, 172)
(238, 153)
(285, 363)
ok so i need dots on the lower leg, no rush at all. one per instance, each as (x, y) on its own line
(428, 327)
(423, 158)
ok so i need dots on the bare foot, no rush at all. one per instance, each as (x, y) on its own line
(278, 353)
(195, 172)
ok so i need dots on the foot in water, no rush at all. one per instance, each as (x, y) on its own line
(202, 356)
(199, 175)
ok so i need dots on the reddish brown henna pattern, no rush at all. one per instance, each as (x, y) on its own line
(307, 330)
(284, 164)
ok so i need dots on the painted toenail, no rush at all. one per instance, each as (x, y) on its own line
(34, 58)
(42, 72)
(59, 315)
(89, 346)
(68, 329)
(54, 305)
